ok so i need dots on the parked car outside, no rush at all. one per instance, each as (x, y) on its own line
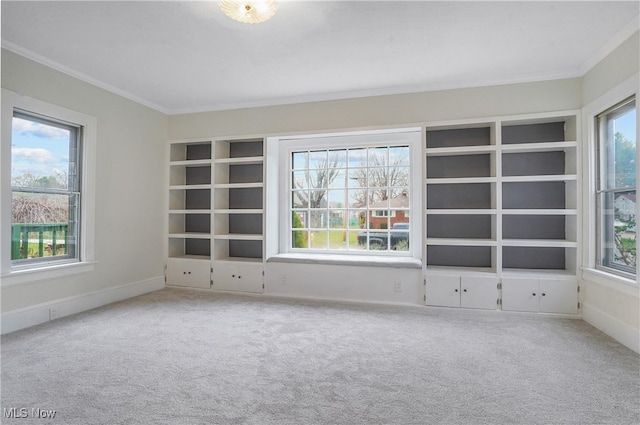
(380, 240)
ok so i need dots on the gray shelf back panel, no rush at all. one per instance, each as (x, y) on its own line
(198, 151)
(198, 175)
(249, 224)
(533, 195)
(245, 149)
(198, 199)
(245, 173)
(533, 133)
(468, 226)
(459, 256)
(521, 257)
(459, 166)
(245, 249)
(245, 198)
(199, 223)
(480, 136)
(533, 226)
(533, 163)
(197, 247)
(459, 196)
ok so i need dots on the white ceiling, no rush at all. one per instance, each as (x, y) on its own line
(186, 56)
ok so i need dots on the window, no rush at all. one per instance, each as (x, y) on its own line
(351, 193)
(384, 213)
(47, 213)
(616, 189)
(45, 189)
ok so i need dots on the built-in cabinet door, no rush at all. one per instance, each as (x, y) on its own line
(237, 276)
(462, 291)
(190, 272)
(443, 290)
(520, 294)
(559, 296)
(478, 292)
(545, 295)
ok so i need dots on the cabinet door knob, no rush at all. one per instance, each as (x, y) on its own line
(456, 290)
(534, 294)
(239, 276)
(464, 290)
(544, 295)
(233, 275)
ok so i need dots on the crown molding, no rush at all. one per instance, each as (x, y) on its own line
(384, 91)
(613, 43)
(12, 47)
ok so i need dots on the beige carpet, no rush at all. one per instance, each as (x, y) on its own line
(183, 357)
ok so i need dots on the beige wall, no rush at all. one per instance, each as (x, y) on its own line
(382, 110)
(130, 207)
(609, 304)
(619, 65)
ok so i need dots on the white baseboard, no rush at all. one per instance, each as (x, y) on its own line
(34, 315)
(621, 332)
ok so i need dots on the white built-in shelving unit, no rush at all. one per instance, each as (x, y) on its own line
(189, 221)
(502, 213)
(216, 214)
(238, 202)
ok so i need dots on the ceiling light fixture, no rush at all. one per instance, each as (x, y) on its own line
(249, 11)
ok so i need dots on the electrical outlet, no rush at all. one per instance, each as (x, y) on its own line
(397, 286)
(53, 313)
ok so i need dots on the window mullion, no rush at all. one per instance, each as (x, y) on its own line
(44, 190)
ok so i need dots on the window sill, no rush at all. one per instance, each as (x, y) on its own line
(33, 275)
(348, 260)
(608, 280)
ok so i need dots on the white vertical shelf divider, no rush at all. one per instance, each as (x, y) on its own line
(498, 229)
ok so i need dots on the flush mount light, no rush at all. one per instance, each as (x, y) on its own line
(249, 11)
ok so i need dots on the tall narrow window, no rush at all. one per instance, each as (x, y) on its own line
(45, 190)
(616, 189)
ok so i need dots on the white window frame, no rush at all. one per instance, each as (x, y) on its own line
(38, 271)
(603, 252)
(279, 150)
(72, 191)
(626, 89)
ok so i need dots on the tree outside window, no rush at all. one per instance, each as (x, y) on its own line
(45, 189)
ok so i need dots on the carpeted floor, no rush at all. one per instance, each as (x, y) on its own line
(183, 357)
